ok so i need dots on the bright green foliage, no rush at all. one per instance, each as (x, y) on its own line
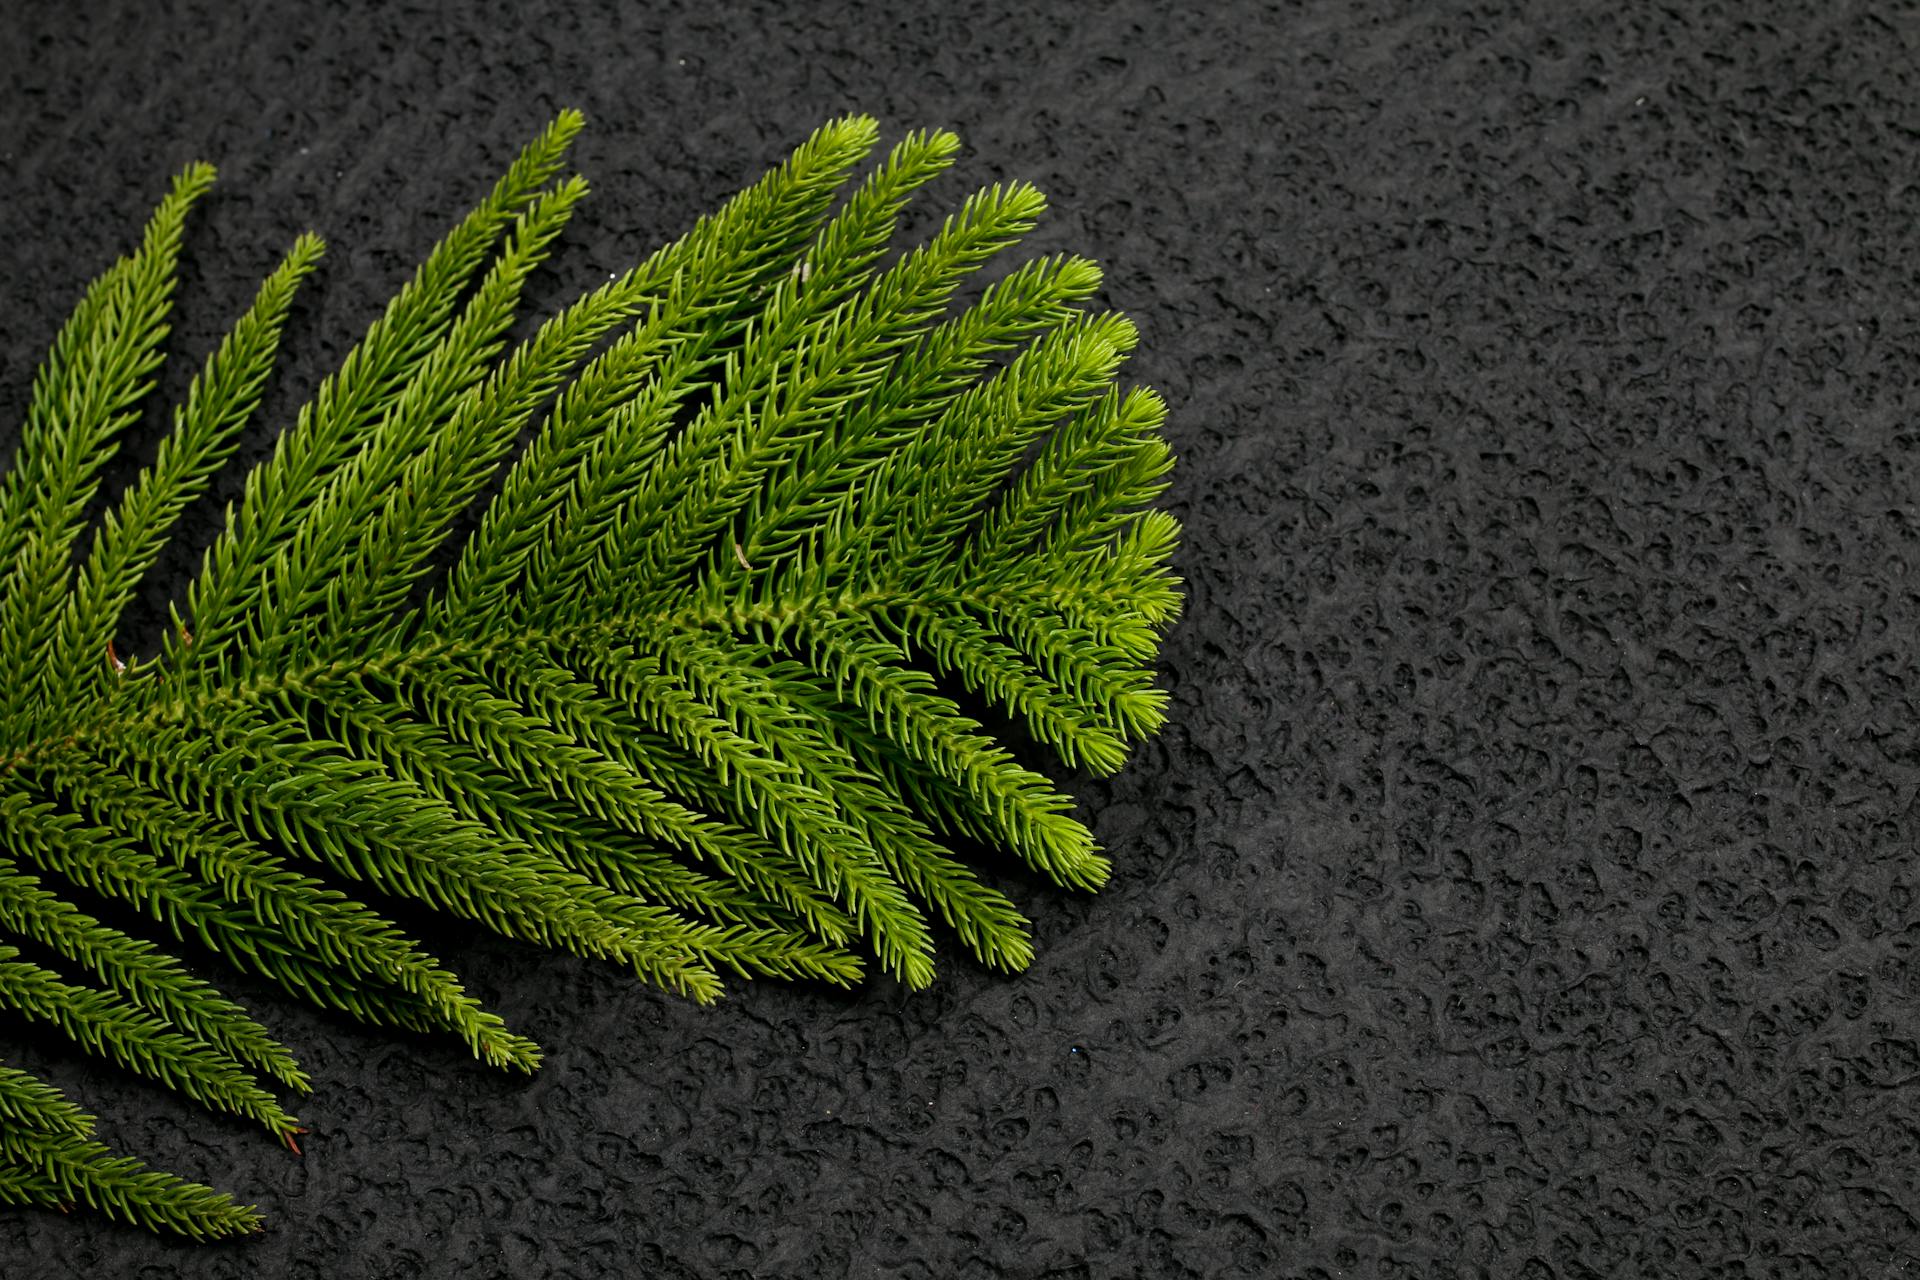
(688, 694)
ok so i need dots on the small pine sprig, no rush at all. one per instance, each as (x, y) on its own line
(767, 509)
(50, 1159)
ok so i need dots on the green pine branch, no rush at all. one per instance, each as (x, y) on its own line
(49, 1159)
(690, 695)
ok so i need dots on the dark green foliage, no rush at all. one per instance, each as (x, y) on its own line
(685, 697)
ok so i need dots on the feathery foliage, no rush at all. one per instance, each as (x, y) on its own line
(690, 692)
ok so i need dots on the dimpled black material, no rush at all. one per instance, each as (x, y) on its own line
(1526, 884)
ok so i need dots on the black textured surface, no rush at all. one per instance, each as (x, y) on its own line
(1526, 885)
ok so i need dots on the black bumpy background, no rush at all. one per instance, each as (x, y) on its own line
(1526, 884)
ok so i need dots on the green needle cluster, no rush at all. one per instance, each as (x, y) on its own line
(689, 693)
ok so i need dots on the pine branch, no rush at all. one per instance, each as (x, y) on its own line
(1019, 806)
(711, 718)
(681, 699)
(211, 884)
(763, 870)
(48, 1158)
(788, 519)
(106, 1024)
(28, 1102)
(650, 531)
(142, 973)
(206, 430)
(69, 433)
(707, 282)
(346, 409)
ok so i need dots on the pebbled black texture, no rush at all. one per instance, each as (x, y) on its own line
(1526, 884)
